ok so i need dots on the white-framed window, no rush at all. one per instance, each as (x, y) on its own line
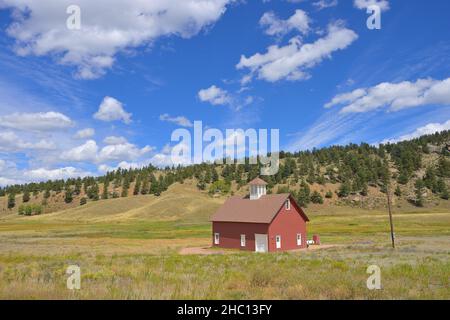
(242, 240)
(278, 242)
(216, 238)
(287, 204)
(299, 239)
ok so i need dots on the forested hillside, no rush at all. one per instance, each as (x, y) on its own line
(417, 171)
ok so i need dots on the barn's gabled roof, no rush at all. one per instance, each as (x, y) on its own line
(263, 210)
(258, 182)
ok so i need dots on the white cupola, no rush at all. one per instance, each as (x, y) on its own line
(257, 188)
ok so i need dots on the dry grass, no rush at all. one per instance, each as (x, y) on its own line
(408, 273)
(128, 249)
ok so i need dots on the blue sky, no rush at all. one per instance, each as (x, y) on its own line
(77, 102)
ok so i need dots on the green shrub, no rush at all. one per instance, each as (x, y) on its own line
(220, 186)
(344, 190)
(37, 209)
(316, 197)
(398, 192)
(28, 210)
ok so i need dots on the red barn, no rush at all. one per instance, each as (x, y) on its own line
(260, 222)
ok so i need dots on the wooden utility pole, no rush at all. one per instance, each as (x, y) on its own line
(390, 212)
(387, 184)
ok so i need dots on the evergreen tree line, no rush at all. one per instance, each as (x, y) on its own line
(355, 167)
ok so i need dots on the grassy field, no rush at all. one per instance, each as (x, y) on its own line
(129, 249)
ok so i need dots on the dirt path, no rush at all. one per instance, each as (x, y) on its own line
(209, 250)
(201, 250)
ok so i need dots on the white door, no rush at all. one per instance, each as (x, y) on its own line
(261, 242)
(216, 238)
(242, 240)
(278, 241)
(299, 239)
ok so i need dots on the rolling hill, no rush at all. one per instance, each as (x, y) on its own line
(417, 173)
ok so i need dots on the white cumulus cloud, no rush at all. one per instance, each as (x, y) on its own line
(112, 109)
(42, 174)
(395, 96)
(83, 153)
(40, 121)
(10, 142)
(39, 28)
(214, 95)
(235, 100)
(430, 128)
(323, 4)
(85, 133)
(113, 140)
(364, 4)
(8, 173)
(291, 62)
(117, 149)
(122, 152)
(180, 120)
(275, 26)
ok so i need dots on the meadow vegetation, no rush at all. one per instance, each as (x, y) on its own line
(129, 249)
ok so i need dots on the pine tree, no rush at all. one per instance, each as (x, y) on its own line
(215, 175)
(125, 187)
(145, 186)
(419, 186)
(155, 187)
(364, 190)
(303, 196)
(137, 187)
(77, 190)
(398, 192)
(68, 198)
(105, 189)
(92, 192)
(444, 167)
(344, 189)
(26, 196)
(402, 177)
(201, 185)
(11, 200)
(445, 194)
(208, 176)
(321, 180)
(316, 197)
(311, 177)
(95, 196)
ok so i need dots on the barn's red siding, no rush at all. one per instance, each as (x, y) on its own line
(230, 234)
(287, 224)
